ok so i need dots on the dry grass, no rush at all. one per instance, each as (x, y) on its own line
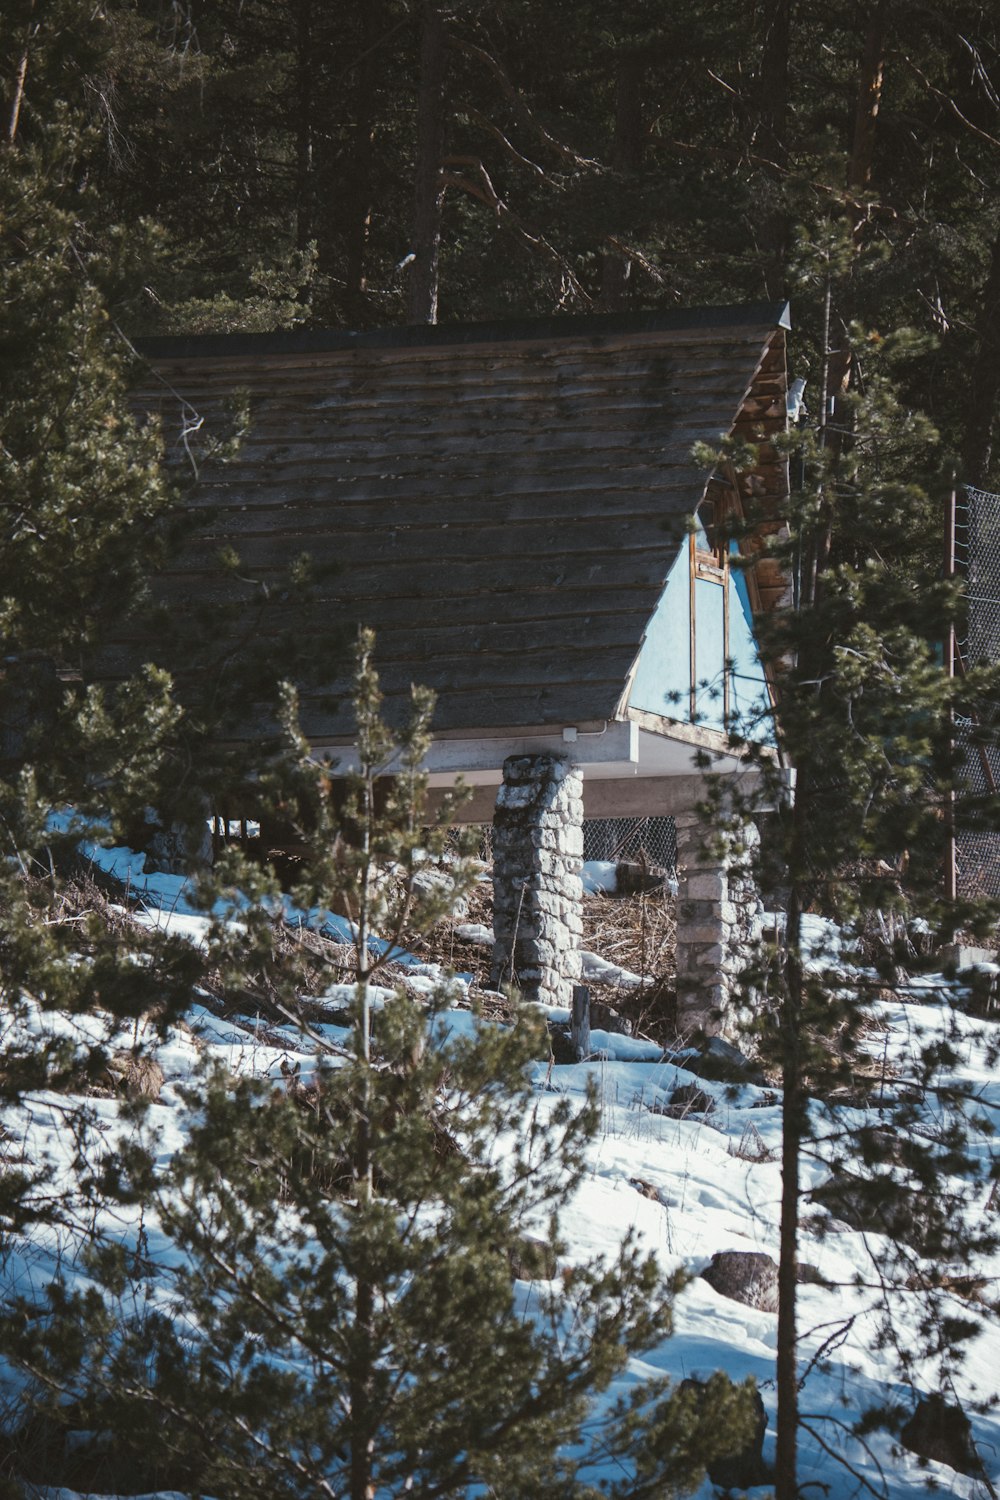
(444, 945)
(638, 933)
(82, 898)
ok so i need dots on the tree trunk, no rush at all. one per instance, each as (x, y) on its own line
(792, 1120)
(791, 1041)
(358, 190)
(304, 114)
(869, 99)
(361, 1365)
(360, 1393)
(859, 173)
(429, 193)
(626, 158)
(13, 109)
(983, 388)
(772, 140)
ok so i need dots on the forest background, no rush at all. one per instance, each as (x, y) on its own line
(258, 166)
(252, 167)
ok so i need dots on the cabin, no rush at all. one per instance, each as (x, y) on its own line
(517, 512)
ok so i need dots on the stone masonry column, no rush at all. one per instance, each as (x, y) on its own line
(537, 893)
(718, 920)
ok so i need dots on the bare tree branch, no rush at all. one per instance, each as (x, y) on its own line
(521, 104)
(629, 252)
(511, 150)
(20, 78)
(807, 1420)
(980, 71)
(950, 105)
(753, 158)
(485, 192)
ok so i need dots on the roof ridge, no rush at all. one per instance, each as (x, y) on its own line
(564, 325)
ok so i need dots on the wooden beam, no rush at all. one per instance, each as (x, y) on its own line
(714, 741)
(617, 744)
(632, 797)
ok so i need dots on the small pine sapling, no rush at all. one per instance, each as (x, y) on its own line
(364, 1292)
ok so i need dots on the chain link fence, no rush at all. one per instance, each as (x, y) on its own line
(651, 841)
(977, 559)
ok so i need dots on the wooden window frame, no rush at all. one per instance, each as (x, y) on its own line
(709, 566)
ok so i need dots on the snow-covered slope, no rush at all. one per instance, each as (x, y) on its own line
(688, 1181)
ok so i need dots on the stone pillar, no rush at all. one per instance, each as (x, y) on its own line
(183, 845)
(537, 893)
(718, 920)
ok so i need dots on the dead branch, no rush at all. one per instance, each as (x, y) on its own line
(508, 146)
(950, 105)
(629, 252)
(752, 158)
(485, 192)
(521, 105)
(20, 77)
(722, 83)
(980, 70)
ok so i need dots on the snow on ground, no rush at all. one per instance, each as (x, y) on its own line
(172, 901)
(597, 970)
(600, 875)
(686, 1187)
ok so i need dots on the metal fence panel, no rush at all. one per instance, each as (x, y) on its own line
(649, 840)
(977, 558)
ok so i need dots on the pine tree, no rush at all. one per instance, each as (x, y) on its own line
(82, 500)
(864, 712)
(364, 1289)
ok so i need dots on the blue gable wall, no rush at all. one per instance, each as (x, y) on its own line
(662, 683)
(749, 699)
(709, 652)
(662, 680)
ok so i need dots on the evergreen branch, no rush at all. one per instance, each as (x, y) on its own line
(191, 420)
(244, 1283)
(287, 1458)
(149, 1396)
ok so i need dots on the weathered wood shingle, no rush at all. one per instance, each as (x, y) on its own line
(502, 505)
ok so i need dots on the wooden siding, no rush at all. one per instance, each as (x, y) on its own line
(501, 506)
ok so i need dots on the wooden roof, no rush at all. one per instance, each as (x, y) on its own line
(502, 504)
